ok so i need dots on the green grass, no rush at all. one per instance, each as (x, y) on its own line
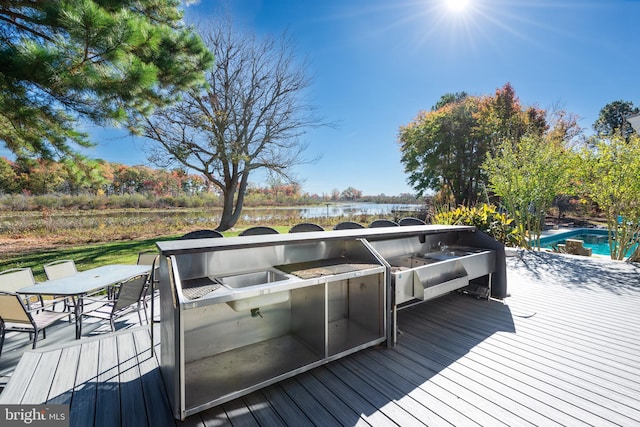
(85, 256)
(94, 255)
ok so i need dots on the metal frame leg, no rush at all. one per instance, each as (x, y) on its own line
(78, 313)
(2, 332)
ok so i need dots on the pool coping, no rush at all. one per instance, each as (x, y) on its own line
(568, 232)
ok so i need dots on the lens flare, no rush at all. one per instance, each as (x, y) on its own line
(457, 5)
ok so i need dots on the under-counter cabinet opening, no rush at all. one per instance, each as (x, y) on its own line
(253, 346)
(355, 300)
(354, 313)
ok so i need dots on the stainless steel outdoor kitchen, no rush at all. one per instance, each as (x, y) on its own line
(240, 313)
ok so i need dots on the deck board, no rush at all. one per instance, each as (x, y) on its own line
(262, 410)
(132, 402)
(306, 401)
(211, 417)
(108, 398)
(239, 414)
(284, 406)
(383, 400)
(338, 409)
(16, 390)
(85, 391)
(580, 382)
(508, 392)
(421, 405)
(442, 388)
(343, 393)
(563, 349)
(43, 374)
(539, 386)
(63, 381)
(155, 399)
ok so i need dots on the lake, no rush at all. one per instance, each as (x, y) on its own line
(161, 220)
(330, 210)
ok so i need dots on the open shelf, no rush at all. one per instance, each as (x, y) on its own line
(355, 317)
(345, 335)
(222, 374)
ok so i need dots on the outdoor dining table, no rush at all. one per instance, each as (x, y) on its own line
(84, 283)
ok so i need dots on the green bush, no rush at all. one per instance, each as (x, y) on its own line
(16, 202)
(485, 218)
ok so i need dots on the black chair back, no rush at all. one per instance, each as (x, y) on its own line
(201, 234)
(383, 223)
(347, 225)
(305, 226)
(411, 221)
(254, 231)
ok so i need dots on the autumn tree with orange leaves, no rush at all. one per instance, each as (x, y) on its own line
(443, 149)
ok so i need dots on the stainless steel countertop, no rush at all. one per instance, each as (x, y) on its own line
(174, 247)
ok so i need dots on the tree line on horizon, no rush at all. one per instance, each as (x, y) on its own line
(104, 179)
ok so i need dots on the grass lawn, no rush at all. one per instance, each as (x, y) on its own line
(93, 255)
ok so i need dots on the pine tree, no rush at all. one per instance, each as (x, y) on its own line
(107, 61)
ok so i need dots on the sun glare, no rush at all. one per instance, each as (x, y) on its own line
(457, 5)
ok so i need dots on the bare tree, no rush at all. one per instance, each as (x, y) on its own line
(251, 117)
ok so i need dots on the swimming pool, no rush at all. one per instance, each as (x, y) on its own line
(596, 239)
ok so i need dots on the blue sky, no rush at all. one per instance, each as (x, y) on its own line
(378, 63)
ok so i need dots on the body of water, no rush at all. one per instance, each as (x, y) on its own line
(332, 210)
(31, 222)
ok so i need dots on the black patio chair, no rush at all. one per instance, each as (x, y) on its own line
(128, 296)
(150, 258)
(305, 226)
(378, 223)
(255, 231)
(411, 221)
(347, 225)
(201, 234)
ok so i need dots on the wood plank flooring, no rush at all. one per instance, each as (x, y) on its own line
(563, 349)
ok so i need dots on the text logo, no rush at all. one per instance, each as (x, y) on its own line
(34, 415)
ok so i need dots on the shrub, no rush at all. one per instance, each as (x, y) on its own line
(485, 218)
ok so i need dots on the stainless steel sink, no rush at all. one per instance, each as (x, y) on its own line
(447, 254)
(410, 261)
(251, 279)
(426, 275)
(256, 278)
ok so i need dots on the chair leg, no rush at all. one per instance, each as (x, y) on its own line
(67, 307)
(35, 338)
(2, 331)
(142, 305)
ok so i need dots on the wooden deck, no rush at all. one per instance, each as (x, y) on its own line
(563, 349)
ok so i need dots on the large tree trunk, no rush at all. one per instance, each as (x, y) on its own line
(232, 207)
(228, 218)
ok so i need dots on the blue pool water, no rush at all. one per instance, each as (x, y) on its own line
(595, 239)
